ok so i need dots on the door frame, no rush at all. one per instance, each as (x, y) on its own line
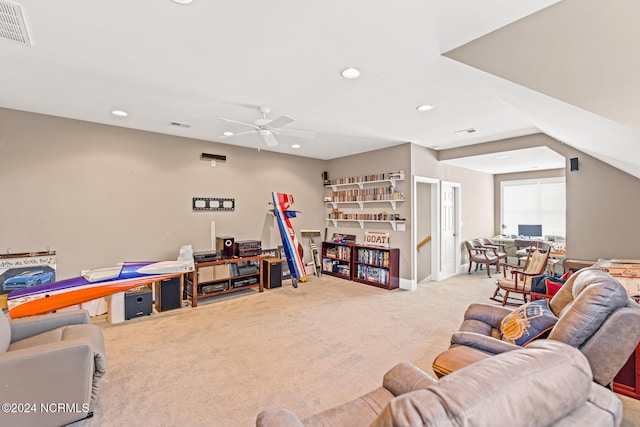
(435, 228)
(457, 189)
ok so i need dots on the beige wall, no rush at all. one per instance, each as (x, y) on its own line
(100, 195)
(376, 162)
(602, 202)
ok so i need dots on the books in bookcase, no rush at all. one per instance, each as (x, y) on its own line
(373, 256)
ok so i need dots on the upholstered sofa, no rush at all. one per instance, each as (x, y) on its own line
(594, 314)
(48, 361)
(546, 384)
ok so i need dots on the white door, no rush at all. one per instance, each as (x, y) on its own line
(449, 226)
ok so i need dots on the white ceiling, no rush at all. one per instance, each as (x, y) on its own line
(164, 62)
(527, 159)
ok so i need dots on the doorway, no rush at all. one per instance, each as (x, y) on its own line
(425, 260)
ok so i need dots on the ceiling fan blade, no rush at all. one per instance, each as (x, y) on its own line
(269, 138)
(237, 122)
(280, 121)
(239, 133)
(299, 133)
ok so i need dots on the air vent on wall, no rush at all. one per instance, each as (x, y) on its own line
(218, 157)
(12, 24)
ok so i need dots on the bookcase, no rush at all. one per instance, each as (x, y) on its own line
(365, 192)
(376, 266)
(363, 264)
(337, 259)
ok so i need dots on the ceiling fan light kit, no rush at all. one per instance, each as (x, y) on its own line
(268, 128)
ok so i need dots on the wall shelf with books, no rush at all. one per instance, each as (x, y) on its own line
(394, 223)
(366, 193)
(361, 181)
(362, 203)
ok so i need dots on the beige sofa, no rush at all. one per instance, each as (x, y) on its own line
(547, 383)
(50, 368)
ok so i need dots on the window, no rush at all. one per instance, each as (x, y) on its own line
(539, 201)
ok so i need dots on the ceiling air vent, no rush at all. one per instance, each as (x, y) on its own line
(12, 25)
(180, 125)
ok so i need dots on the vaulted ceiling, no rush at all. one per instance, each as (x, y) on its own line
(566, 68)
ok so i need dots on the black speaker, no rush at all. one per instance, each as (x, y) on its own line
(272, 273)
(224, 246)
(168, 294)
(137, 302)
(574, 163)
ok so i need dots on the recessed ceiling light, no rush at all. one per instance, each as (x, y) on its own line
(350, 73)
(119, 113)
(295, 146)
(182, 1)
(424, 107)
(227, 133)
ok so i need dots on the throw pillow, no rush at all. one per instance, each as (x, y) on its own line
(552, 287)
(566, 275)
(528, 322)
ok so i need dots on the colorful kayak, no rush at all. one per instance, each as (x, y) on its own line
(292, 247)
(94, 284)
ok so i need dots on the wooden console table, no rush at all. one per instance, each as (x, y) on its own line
(223, 276)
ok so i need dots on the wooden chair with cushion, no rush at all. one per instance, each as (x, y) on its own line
(500, 249)
(517, 280)
(480, 255)
(523, 246)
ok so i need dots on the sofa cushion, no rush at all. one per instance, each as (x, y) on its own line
(528, 322)
(5, 333)
(596, 295)
(359, 412)
(535, 386)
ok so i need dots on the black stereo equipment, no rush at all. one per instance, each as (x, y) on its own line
(248, 248)
(272, 273)
(168, 294)
(215, 287)
(244, 282)
(206, 256)
(137, 302)
(224, 245)
(244, 270)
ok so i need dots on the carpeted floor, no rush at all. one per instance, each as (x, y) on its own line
(305, 349)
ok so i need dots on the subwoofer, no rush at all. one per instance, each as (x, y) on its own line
(224, 245)
(137, 302)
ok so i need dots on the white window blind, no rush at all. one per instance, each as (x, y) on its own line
(540, 201)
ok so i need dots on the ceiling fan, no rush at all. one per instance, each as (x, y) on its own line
(268, 128)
